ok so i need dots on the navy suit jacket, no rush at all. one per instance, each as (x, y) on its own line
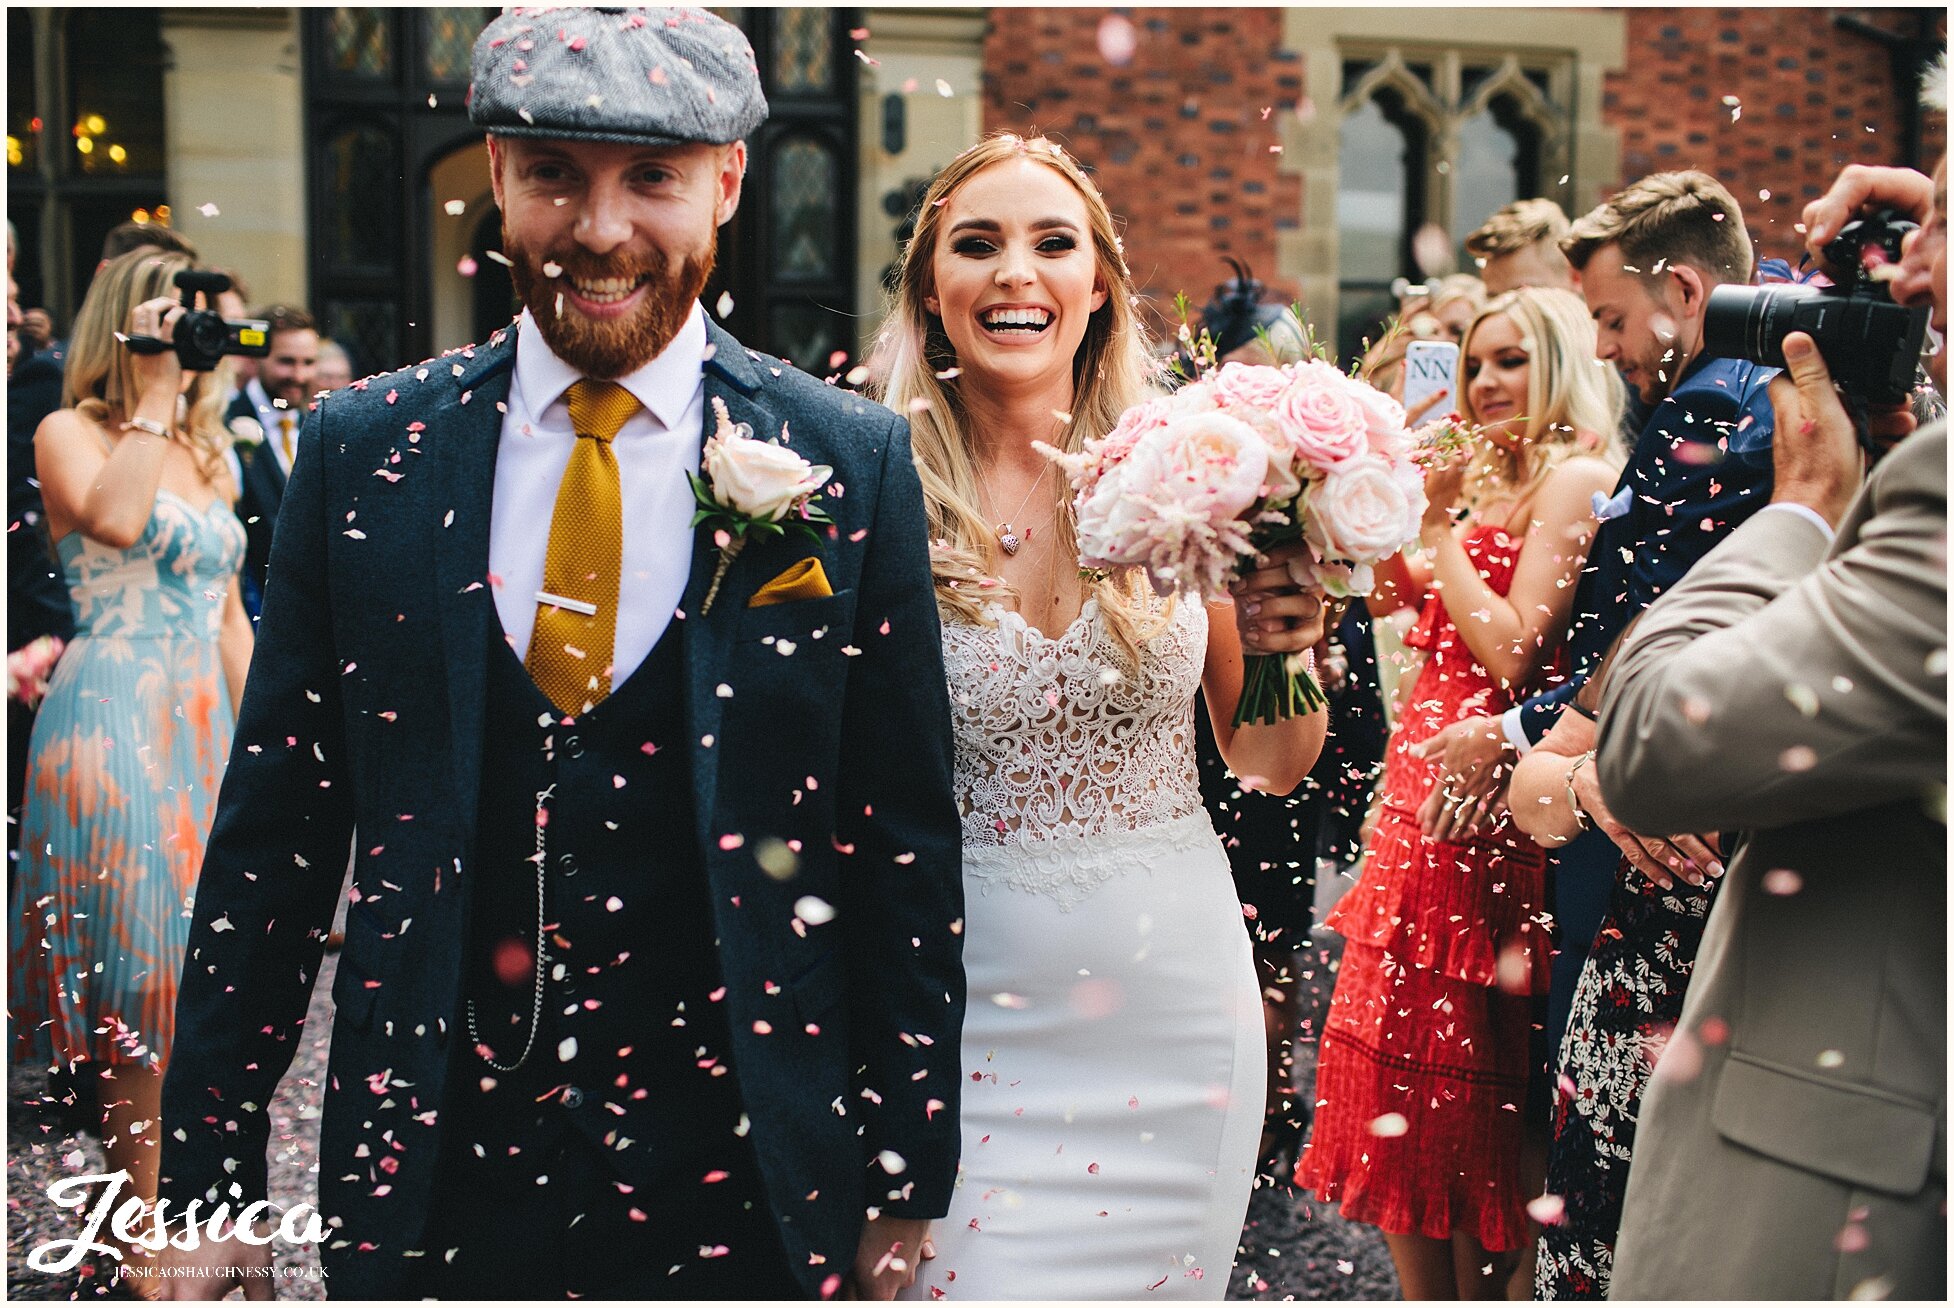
(823, 723)
(1701, 466)
(258, 498)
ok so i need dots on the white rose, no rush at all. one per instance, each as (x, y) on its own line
(1360, 511)
(247, 431)
(758, 479)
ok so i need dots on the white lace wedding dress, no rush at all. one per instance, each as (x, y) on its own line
(1113, 1053)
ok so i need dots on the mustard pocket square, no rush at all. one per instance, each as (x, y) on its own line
(803, 581)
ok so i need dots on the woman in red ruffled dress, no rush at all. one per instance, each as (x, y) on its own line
(1421, 1080)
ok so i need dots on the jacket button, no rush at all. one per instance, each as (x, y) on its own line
(573, 1098)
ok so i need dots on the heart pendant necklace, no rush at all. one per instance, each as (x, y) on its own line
(1009, 538)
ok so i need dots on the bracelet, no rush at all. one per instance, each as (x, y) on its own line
(1580, 814)
(145, 425)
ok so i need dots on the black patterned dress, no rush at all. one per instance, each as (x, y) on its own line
(1627, 1002)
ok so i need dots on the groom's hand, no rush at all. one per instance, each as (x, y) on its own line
(887, 1258)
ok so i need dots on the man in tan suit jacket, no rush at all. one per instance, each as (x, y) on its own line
(1792, 688)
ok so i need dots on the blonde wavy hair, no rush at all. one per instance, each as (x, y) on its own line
(1573, 406)
(1113, 370)
(100, 378)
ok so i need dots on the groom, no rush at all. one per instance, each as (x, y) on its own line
(651, 985)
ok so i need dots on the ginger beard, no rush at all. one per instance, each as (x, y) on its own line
(609, 349)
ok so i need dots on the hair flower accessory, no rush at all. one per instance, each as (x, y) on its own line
(750, 488)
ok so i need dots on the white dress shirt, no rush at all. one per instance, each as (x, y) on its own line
(269, 417)
(655, 448)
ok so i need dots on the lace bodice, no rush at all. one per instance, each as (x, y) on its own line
(1054, 737)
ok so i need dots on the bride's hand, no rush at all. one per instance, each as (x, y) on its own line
(1278, 606)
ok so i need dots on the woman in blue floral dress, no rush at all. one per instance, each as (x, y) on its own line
(131, 741)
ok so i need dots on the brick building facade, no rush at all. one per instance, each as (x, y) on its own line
(1209, 138)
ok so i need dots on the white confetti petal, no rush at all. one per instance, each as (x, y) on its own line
(814, 910)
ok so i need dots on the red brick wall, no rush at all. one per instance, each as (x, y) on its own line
(1177, 139)
(1181, 147)
(1809, 94)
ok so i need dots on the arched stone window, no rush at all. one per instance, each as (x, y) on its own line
(1413, 122)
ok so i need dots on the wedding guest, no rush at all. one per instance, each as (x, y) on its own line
(1519, 245)
(1793, 689)
(334, 368)
(124, 237)
(39, 619)
(130, 743)
(651, 982)
(1442, 309)
(1115, 1099)
(277, 398)
(1700, 467)
(1424, 1056)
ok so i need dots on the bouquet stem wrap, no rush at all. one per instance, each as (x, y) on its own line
(1277, 687)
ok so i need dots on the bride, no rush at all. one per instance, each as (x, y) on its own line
(1113, 1049)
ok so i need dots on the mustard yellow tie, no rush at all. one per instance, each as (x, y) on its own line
(285, 437)
(576, 611)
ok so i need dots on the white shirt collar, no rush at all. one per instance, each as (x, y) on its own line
(664, 386)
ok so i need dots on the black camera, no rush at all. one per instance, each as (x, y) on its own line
(1870, 344)
(203, 336)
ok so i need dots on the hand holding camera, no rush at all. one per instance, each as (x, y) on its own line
(157, 369)
(1870, 344)
(199, 337)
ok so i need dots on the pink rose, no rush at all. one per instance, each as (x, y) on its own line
(1361, 512)
(1253, 386)
(1322, 420)
(1132, 425)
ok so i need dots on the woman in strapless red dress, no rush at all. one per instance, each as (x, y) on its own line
(1422, 1075)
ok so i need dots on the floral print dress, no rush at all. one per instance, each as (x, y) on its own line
(1626, 1004)
(123, 770)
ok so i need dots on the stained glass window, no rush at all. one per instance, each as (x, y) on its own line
(804, 218)
(368, 329)
(364, 184)
(803, 50)
(357, 43)
(448, 42)
(805, 333)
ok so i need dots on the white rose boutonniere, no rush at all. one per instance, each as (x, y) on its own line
(752, 488)
(247, 431)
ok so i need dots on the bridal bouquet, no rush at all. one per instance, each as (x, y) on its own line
(1193, 486)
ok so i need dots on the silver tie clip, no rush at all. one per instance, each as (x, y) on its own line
(565, 602)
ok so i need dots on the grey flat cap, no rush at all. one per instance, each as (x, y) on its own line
(636, 76)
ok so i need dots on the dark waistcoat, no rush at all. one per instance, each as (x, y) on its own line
(632, 1045)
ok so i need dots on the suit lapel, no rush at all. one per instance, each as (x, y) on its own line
(466, 439)
(731, 376)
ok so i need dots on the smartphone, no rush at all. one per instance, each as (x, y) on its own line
(1430, 368)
